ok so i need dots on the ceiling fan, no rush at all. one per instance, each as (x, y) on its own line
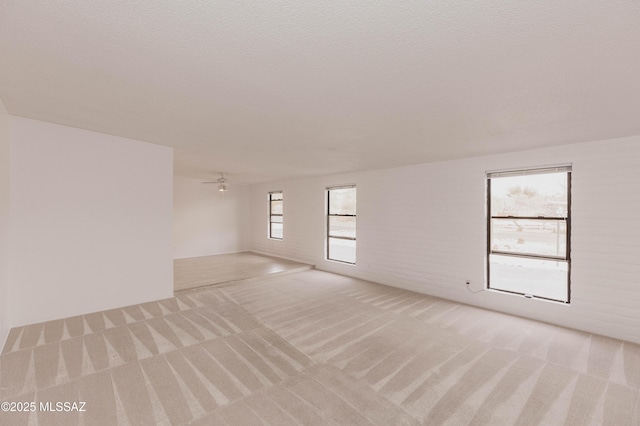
(223, 183)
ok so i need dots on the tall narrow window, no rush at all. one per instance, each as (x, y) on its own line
(529, 228)
(276, 222)
(341, 224)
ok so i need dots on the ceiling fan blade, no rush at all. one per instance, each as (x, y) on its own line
(224, 180)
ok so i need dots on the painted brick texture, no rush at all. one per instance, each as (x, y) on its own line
(423, 228)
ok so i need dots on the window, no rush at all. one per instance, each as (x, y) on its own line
(276, 222)
(529, 228)
(341, 224)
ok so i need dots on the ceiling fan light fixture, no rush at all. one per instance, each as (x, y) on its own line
(222, 187)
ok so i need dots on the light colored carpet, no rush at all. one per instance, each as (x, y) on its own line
(317, 348)
(203, 271)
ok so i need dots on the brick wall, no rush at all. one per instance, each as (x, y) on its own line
(423, 228)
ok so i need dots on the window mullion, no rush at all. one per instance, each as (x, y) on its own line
(341, 248)
(274, 198)
(529, 232)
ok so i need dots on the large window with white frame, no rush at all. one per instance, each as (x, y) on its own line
(529, 232)
(341, 224)
(276, 215)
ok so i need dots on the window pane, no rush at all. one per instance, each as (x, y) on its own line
(276, 230)
(276, 219)
(542, 278)
(342, 226)
(276, 207)
(538, 237)
(530, 195)
(276, 195)
(342, 201)
(342, 250)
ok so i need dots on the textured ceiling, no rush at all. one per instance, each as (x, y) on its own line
(265, 90)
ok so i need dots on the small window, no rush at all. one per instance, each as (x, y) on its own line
(341, 224)
(528, 232)
(276, 222)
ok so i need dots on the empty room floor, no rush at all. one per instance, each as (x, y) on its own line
(317, 348)
(203, 271)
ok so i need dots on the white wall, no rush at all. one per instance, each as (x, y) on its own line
(4, 223)
(207, 222)
(90, 222)
(423, 228)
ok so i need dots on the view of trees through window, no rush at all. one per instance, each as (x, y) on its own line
(529, 225)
